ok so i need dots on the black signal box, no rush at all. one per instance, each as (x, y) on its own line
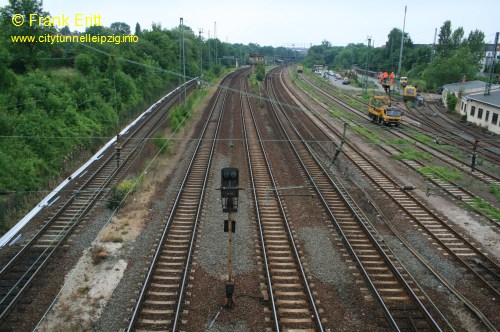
(229, 182)
(229, 189)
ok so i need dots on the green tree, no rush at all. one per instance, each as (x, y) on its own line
(120, 28)
(25, 55)
(65, 31)
(445, 43)
(260, 73)
(449, 41)
(7, 78)
(475, 44)
(386, 59)
(450, 70)
(84, 63)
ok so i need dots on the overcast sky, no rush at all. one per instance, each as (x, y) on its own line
(304, 22)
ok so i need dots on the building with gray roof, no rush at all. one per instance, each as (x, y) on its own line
(482, 110)
(465, 88)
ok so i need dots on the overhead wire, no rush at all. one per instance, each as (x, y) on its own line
(157, 69)
(259, 97)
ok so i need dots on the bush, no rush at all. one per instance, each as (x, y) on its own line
(161, 143)
(118, 193)
(420, 84)
(451, 101)
(260, 73)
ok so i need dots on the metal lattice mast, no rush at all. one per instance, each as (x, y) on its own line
(183, 57)
(366, 67)
(487, 88)
(215, 42)
(200, 31)
(433, 52)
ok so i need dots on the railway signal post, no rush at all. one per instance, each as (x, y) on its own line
(474, 156)
(229, 197)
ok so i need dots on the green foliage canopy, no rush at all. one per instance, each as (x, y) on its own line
(455, 56)
(59, 99)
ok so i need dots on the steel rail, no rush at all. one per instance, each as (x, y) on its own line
(481, 175)
(312, 302)
(493, 265)
(468, 196)
(451, 230)
(199, 209)
(86, 183)
(355, 110)
(22, 284)
(257, 208)
(388, 261)
(169, 220)
(465, 301)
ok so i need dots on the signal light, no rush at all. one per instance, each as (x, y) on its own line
(229, 189)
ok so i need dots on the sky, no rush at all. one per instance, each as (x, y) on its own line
(292, 22)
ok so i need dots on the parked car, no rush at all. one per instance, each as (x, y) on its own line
(346, 81)
(338, 76)
(330, 73)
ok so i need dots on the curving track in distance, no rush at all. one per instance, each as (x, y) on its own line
(449, 187)
(402, 304)
(485, 269)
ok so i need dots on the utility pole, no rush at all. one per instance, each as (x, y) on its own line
(209, 52)
(215, 42)
(200, 31)
(183, 60)
(487, 88)
(474, 156)
(433, 52)
(339, 148)
(366, 66)
(401, 49)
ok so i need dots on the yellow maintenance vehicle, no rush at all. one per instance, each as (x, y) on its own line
(409, 91)
(380, 111)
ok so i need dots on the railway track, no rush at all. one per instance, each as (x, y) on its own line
(291, 299)
(480, 174)
(443, 234)
(459, 133)
(18, 273)
(423, 119)
(401, 302)
(160, 302)
(450, 187)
